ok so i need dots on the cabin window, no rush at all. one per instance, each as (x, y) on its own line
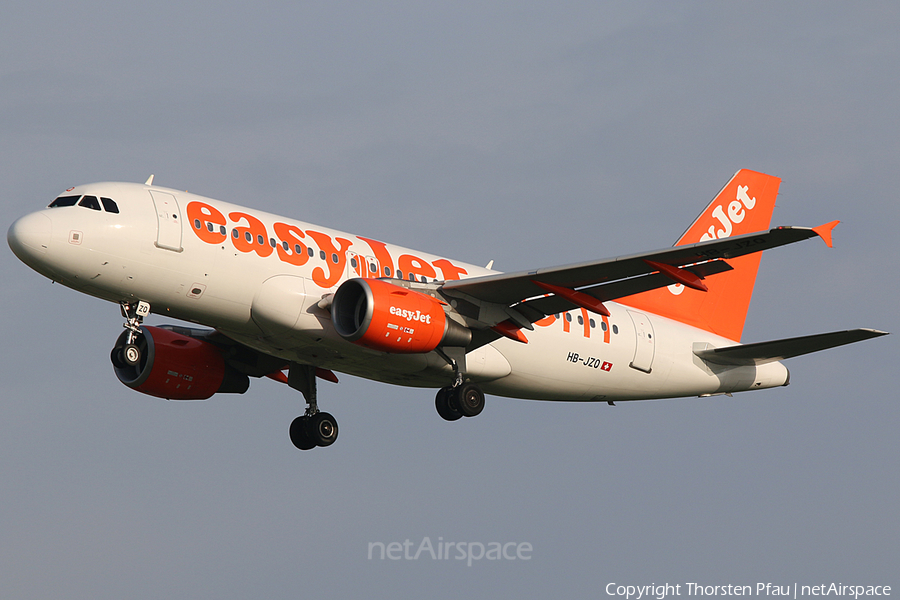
(311, 252)
(322, 254)
(334, 258)
(196, 223)
(615, 329)
(260, 240)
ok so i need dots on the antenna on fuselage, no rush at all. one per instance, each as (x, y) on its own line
(149, 180)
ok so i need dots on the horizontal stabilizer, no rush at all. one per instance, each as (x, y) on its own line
(765, 352)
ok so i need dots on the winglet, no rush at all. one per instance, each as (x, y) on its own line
(149, 180)
(824, 232)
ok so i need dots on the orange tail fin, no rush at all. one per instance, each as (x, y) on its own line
(744, 205)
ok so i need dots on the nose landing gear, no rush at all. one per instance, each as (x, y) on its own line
(129, 354)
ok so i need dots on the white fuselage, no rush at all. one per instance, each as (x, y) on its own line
(258, 278)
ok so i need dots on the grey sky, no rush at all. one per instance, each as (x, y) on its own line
(529, 134)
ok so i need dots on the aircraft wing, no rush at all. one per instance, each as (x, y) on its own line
(765, 352)
(625, 275)
(552, 304)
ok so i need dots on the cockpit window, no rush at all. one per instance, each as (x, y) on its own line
(109, 205)
(90, 202)
(64, 201)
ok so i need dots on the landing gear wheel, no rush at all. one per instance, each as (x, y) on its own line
(116, 357)
(131, 354)
(445, 406)
(323, 429)
(300, 434)
(469, 399)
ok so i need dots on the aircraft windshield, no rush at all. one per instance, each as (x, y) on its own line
(91, 202)
(65, 201)
(109, 205)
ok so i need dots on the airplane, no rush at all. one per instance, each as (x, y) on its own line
(296, 302)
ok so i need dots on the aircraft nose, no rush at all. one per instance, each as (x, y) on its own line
(29, 237)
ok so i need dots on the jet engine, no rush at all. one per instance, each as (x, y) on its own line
(383, 316)
(175, 366)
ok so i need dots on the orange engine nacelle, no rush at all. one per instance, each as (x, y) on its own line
(383, 316)
(177, 367)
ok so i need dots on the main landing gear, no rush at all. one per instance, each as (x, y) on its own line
(462, 399)
(129, 353)
(314, 428)
(311, 430)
